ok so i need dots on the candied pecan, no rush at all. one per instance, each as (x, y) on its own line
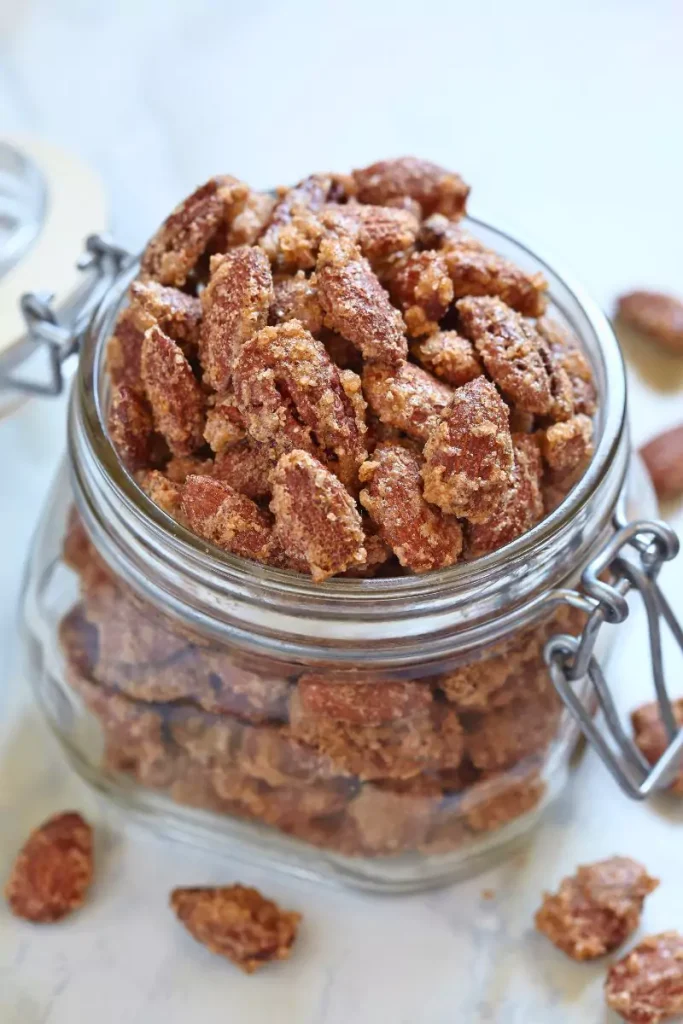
(510, 348)
(449, 356)
(501, 797)
(130, 632)
(291, 396)
(235, 303)
(567, 355)
(435, 189)
(237, 923)
(296, 298)
(224, 422)
(469, 458)
(355, 304)
(177, 314)
(406, 397)
(176, 398)
(567, 445)
(421, 536)
(53, 870)
(521, 505)
(646, 986)
(294, 230)
(361, 703)
(596, 909)
(228, 519)
(503, 736)
(248, 219)
(651, 737)
(316, 520)
(391, 816)
(382, 233)
(164, 492)
(420, 285)
(180, 467)
(439, 232)
(131, 427)
(184, 236)
(253, 693)
(658, 315)
(124, 352)
(471, 686)
(274, 757)
(247, 467)
(663, 457)
(476, 270)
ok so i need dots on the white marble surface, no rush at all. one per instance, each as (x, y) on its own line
(567, 120)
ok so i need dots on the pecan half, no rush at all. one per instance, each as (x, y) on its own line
(174, 393)
(663, 456)
(448, 356)
(646, 986)
(173, 252)
(655, 314)
(228, 519)
(406, 397)
(421, 286)
(294, 231)
(433, 187)
(130, 426)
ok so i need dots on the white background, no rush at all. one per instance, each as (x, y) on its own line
(567, 120)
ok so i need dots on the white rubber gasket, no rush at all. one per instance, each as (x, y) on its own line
(76, 207)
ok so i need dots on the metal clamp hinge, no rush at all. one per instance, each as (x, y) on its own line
(572, 659)
(105, 261)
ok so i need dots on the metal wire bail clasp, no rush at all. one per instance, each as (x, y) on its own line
(572, 660)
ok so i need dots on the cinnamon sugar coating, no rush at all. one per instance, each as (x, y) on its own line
(434, 188)
(177, 314)
(235, 304)
(469, 458)
(174, 394)
(406, 397)
(224, 422)
(646, 986)
(567, 445)
(316, 520)
(449, 356)
(164, 492)
(293, 233)
(227, 518)
(296, 298)
(381, 233)
(420, 535)
(476, 270)
(421, 286)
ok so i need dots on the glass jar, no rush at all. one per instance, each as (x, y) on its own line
(390, 732)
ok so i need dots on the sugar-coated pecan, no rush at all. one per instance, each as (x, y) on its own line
(646, 986)
(237, 923)
(362, 703)
(377, 553)
(291, 396)
(469, 458)
(174, 393)
(394, 815)
(247, 220)
(294, 230)
(217, 512)
(164, 492)
(663, 457)
(381, 233)
(355, 304)
(406, 397)
(421, 286)
(596, 909)
(567, 445)
(247, 467)
(567, 355)
(184, 236)
(476, 270)
(655, 314)
(435, 189)
(131, 427)
(177, 314)
(438, 232)
(296, 298)
(504, 736)
(521, 505)
(180, 467)
(53, 870)
(224, 422)
(124, 351)
(510, 348)
(448, 356)
(316, 520)
(421, 536)
(235, 304)
(652, 738)
(501, 797)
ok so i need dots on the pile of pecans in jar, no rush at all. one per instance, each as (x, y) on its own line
(338, 380)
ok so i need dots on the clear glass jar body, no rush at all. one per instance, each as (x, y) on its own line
(393, 733)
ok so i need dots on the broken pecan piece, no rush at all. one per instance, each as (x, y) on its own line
(421, 286)
(448, 356)
(421, 536)
(235, 303)
(469, 458)
(435, 189)
(316, 520)
(355, 304)
(176, 398)
(406, 397)
(228, 519)
(596, 909)
(510, 348)
(655, 314)
(663, 457)
(174, 250)
(53, 870)
(238, 923)
(646, 986)
(224, 422)
(164, 492)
